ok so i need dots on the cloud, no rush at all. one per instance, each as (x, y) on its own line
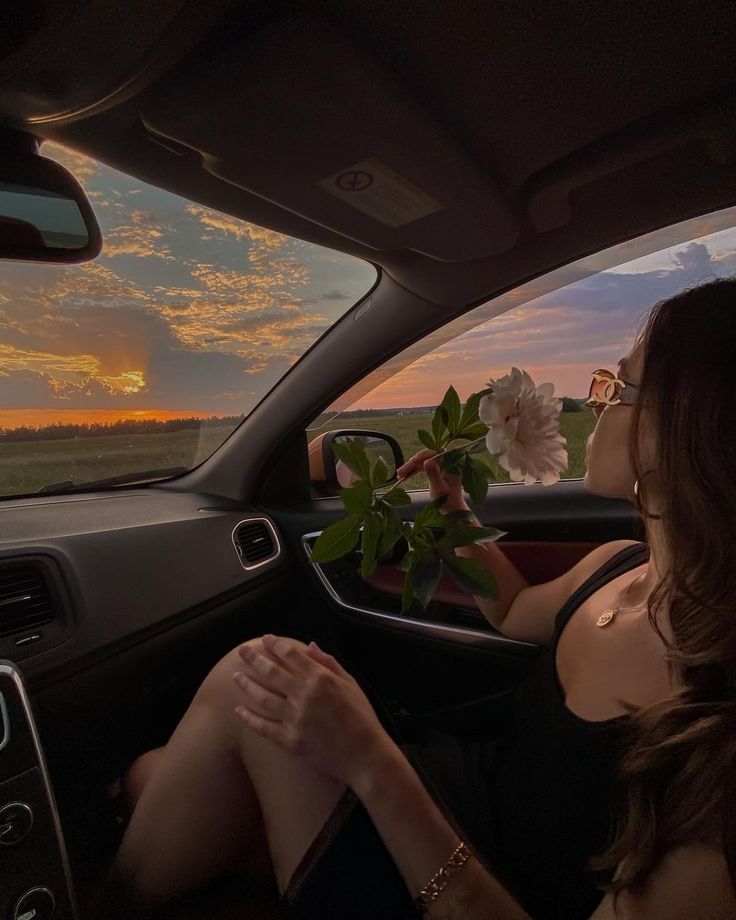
(14, 359)
(695, 258)
(218, 226)
(142, 235)
(336, 295)
(83, 337)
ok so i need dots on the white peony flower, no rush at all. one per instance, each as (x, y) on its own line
(524, 428)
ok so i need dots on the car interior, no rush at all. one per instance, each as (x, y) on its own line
(515, 140)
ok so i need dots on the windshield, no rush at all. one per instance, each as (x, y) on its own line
(139, 365)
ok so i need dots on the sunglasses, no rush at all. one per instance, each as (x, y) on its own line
(606, 389)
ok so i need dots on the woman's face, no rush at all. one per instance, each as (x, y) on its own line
(608, 469)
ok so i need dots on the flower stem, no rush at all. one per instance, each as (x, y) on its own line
(440, 454)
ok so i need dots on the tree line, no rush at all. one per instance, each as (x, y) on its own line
(63, 430)
(568, 405)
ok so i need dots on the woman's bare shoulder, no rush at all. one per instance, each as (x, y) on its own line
(531, 617)
(595, 559)
(691, 881)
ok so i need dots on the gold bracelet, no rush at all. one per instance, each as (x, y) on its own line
(439, 880)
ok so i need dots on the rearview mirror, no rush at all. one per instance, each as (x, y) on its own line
(325, 469)
(44, 213)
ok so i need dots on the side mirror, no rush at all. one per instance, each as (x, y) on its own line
(326, 470)
(45, 215)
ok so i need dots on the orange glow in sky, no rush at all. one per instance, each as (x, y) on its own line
(409, 389)
(37, 418)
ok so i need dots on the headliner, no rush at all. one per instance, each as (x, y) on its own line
(545, 131)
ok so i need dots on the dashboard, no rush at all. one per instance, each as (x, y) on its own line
(118, 566)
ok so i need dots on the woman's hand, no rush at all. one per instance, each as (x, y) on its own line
(302, 699)
(439, 483)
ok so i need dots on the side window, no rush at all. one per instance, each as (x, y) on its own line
(559, 328)
(405, 402)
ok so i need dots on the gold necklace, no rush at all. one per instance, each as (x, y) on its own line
(610, 614)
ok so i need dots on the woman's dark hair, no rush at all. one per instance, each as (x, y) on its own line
(678, 775)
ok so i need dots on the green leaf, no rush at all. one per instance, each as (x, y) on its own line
(470, 412)
(358, 498)
(462, 535)
(421, 540)
(471, 575)
(430, 515)
(426, 438)
(426, 576)
(371, 537)
(439, 424)
(392, 531)
(397, 496)
(408, 560)
(452, 461)
(473, 432)
(451, 404)
(337, 540)
(482, 464)
(355, 457)
(459, 515)
(407, 595)
(475, 482)
(379, 472)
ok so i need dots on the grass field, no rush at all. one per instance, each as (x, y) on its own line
(575, 426)
(27, 466)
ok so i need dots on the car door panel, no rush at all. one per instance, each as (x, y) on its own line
(537, 561)
(452, 654)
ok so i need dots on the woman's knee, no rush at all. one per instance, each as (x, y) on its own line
(218, 689)
(137, 775)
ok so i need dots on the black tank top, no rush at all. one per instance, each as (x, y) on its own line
(553, 791)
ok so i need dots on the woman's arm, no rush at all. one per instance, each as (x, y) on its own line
(420, 840)
(521, 611)
(691, 882)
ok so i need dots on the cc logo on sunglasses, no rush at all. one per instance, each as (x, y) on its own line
(607, 389)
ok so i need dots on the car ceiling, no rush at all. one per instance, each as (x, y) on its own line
(544, 131)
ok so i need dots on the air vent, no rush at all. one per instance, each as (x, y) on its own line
(25, 599)
(256, 542)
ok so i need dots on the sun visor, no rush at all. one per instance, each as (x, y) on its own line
(68, 61)
(301, 116)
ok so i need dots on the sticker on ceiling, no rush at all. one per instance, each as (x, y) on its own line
(373, 188)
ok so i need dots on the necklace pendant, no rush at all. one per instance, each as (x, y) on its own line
(606, 617)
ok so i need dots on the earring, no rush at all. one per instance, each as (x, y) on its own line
(638, 502)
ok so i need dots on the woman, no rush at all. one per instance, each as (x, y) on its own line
(638, 677)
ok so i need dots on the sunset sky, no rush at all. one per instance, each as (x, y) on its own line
(559, 337)
(186, 312)
(192, 312)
